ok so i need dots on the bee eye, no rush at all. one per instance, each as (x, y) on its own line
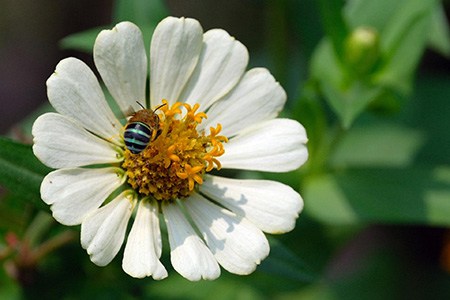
(137, 136)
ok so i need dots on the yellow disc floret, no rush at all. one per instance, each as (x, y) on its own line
(174, 163)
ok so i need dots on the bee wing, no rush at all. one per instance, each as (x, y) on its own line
(129, 111)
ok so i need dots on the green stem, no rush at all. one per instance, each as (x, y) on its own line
(53, 244)
(38, 227)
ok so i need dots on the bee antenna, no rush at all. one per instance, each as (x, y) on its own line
(159, 107)
(139, 103)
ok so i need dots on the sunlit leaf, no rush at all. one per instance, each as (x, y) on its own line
(350, 101)
(402, 50)
(402, 196)
(377, 145)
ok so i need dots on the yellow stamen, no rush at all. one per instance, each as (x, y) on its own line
(175, 162)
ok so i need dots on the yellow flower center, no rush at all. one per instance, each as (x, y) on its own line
(174, 163)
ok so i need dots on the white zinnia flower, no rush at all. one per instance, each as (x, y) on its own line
(99, 183)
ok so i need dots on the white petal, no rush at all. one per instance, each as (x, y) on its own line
(276, 145)
(238, 245)
(103, 231)
(74, 193)
(74, 91)
(174, 52)
(61, 143)
(221, 64)
(120, 58)
(257, 97)
(188, 253)
(272, 206)
(143, 248)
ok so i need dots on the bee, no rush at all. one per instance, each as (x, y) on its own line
(141, 129)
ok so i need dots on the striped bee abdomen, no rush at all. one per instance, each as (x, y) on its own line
(137, 136)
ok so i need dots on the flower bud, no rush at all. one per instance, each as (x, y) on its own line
(362, 49)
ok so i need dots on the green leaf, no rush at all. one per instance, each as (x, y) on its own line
(377, 145)
(325, 66)
(439, 37)
(404, 27)
(284, 263)
(10, 288)
(375, 14)
(140, 12)
(334, 24)
(316, 291)
(82, 41)
(309, 110)
(429, 110)
(347, 97)
(225, 287)
(20, 171)
(403, 44)
(349, 102)
(145, 14)
(401, 29)
(407, 196)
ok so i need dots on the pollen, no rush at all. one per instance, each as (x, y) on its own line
(173, 165)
